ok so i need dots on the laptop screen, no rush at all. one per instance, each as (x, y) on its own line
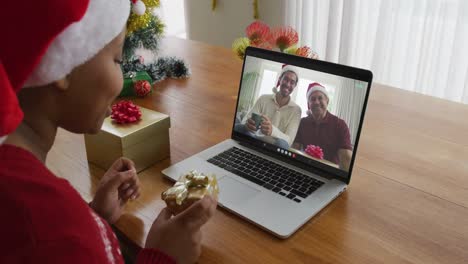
(304, 110)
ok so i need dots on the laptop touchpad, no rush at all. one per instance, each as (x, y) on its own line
(233, 191)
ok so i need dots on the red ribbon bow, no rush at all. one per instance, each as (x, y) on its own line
(314, 151)
(125, 112)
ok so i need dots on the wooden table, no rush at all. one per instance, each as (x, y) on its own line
(408, 198)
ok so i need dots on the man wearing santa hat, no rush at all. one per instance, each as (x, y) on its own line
(60, 68)
(323, 129)
(280, 116)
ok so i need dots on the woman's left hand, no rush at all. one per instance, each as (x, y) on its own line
(119, 184)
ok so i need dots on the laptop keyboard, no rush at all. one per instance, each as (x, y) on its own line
(279, 179)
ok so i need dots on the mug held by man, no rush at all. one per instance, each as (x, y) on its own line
(257, 118)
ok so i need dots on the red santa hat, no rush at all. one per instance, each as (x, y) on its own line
(313, 87)
(285, 68)
(45, 40)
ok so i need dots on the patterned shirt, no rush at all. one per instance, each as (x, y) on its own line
(45, 220)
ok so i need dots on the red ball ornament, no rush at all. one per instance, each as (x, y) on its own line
(125, 112)
(142, 88)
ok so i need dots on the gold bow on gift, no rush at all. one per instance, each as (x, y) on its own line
(194, 184)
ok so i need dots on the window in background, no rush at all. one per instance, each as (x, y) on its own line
(175, 24)
(414, 45)
(268, 82)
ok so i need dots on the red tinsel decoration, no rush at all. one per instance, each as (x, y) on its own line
(257, 32)
(142, 88)
(303, 51)
(125, 112)
(314, 151)
(283, 37)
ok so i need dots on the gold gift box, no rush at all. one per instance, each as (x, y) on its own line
(144, 142)
(190, 188)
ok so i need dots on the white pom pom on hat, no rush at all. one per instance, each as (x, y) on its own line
(284, 68)
(138, 7)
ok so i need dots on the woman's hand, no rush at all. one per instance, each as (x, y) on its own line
(119, 184)
(180, 236)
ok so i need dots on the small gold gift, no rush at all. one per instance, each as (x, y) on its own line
(190, 188)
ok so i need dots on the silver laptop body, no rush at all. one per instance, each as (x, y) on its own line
(280, 212)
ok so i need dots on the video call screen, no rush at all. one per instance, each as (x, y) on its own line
(307, 115)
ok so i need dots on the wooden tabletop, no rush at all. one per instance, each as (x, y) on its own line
(408, 197)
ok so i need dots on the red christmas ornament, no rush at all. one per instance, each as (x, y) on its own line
(314, 151)
(142, 88)
(125, 112)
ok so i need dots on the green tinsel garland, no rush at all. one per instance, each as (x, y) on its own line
(147, 38)
(164, 67)
(146, 32)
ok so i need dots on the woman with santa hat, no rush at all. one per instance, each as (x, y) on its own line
(60, 67)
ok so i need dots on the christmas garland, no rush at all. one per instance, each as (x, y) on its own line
(144, 33)
(164, 67)
(148, 38)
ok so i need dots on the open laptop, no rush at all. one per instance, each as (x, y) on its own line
(276, 186)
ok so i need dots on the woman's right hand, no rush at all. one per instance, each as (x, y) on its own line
(180, 236)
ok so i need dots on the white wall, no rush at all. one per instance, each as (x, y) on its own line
(172, 14)
(229, 20)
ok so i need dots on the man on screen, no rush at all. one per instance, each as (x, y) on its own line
(323, 129)
(274, 118)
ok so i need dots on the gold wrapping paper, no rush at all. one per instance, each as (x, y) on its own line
(190, 188)
(145, 142)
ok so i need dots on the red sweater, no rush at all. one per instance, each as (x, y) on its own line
(44, 220)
